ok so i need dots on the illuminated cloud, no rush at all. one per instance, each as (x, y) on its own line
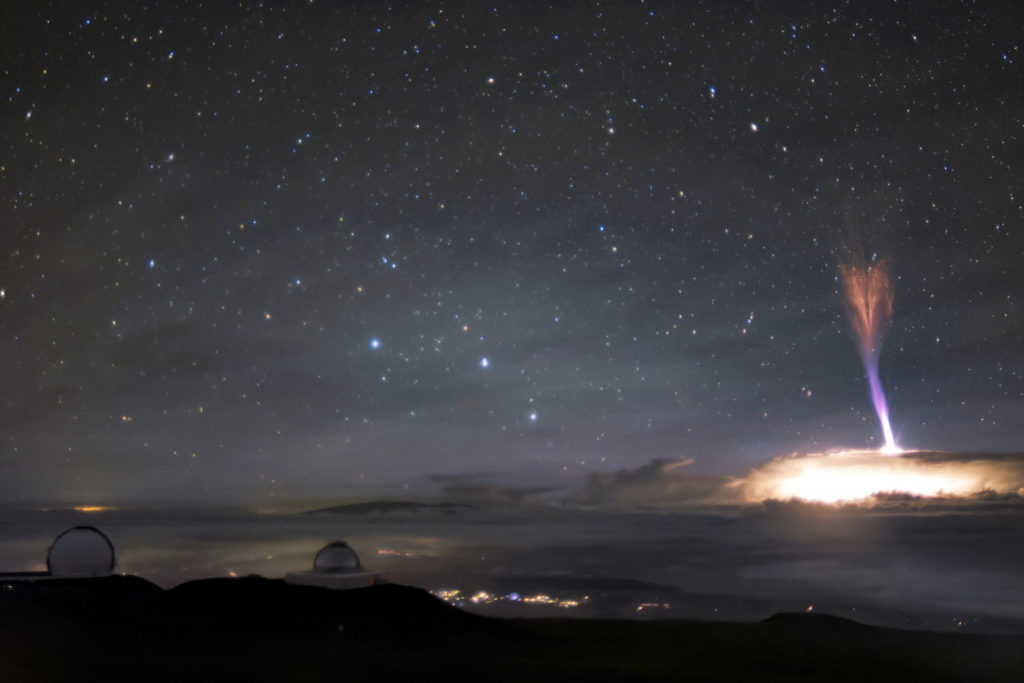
(864, 475)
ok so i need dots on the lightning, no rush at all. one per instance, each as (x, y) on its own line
(873, 476)
(868, 292)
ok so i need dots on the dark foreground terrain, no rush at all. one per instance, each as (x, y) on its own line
(254, 629)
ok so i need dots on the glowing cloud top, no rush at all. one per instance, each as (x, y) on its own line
(868, 292)
(847, 476)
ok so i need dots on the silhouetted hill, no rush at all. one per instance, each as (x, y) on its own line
(256, 603)
(103, 598)
(814, 621)
(255, 629)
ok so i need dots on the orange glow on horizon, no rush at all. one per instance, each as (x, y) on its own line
(93, 508)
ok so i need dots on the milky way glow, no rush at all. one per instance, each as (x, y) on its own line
(868, 292)
(857, 475)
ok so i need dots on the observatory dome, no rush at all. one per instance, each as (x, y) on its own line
(336, 567)
(336, 557)
(81, 551)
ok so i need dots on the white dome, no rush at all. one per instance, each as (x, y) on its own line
(81, 551)
(336, 557)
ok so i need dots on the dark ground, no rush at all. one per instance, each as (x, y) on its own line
(254, 629)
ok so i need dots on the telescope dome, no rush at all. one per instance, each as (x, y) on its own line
(336, 557)
(81, 551)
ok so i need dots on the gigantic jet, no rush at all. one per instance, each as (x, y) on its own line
(868, 292)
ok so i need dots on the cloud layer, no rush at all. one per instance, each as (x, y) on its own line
(660, 483)
(853, 477)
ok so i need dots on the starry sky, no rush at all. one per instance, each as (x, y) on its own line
(266, 251)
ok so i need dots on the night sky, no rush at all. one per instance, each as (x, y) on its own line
(285, 251)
